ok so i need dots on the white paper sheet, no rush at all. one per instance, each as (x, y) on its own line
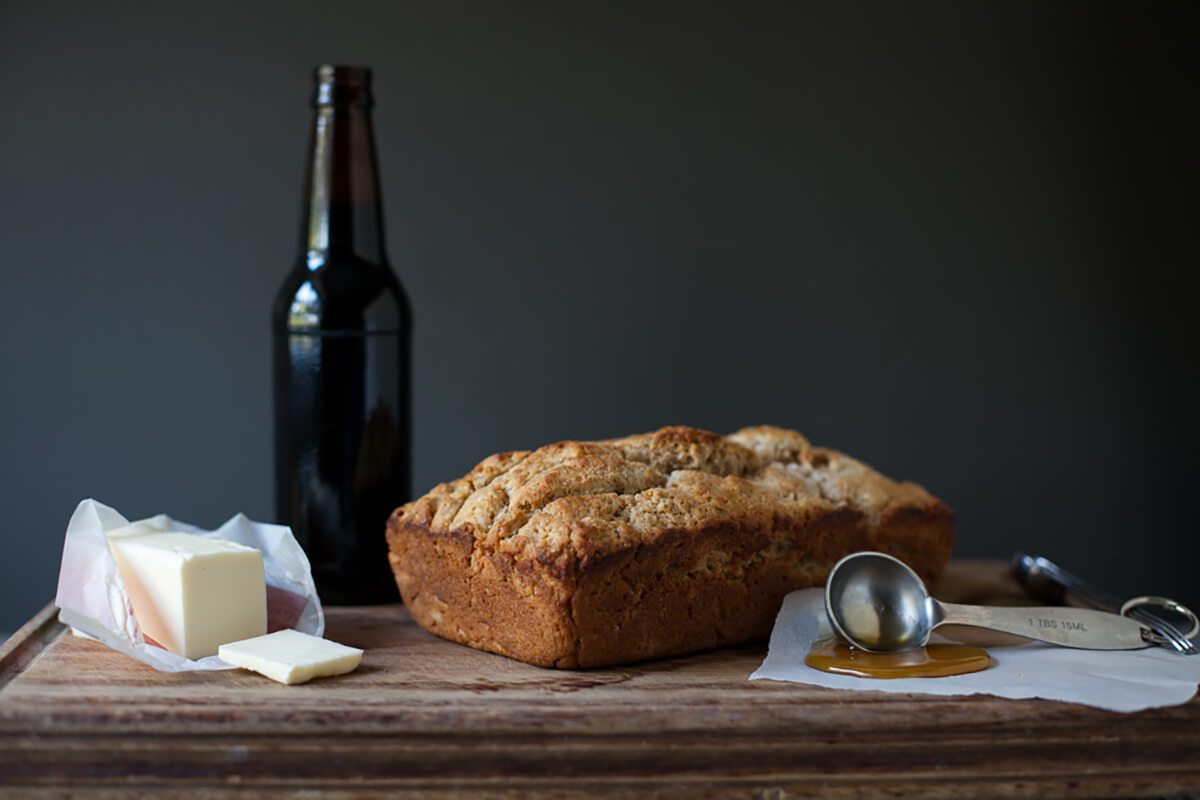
(1126, 680)
(93, 601)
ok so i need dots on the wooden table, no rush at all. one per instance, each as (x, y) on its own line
(425, 717)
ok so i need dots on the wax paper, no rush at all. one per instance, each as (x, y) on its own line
(92, 599)
(1117, 680)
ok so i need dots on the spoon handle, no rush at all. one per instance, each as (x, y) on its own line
(1068, 627)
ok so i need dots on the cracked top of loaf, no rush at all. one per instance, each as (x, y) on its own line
(582, 500)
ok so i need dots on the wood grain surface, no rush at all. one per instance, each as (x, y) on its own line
(424, 717)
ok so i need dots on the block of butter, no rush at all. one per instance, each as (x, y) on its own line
(191, 594)
(291, 656)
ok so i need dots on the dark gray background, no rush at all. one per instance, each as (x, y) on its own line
(947, 238)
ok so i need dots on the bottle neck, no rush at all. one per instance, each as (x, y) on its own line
(343, 210)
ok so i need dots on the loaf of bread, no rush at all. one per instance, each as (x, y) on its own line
(588, 554)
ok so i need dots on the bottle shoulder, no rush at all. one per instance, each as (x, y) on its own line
(342, 294)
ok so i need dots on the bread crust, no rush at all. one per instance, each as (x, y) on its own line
(589, 554)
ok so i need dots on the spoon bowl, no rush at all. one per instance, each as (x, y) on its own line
(878, 604)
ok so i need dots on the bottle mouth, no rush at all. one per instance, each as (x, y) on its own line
(338, 84)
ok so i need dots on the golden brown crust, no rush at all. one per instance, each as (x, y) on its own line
(584, 554)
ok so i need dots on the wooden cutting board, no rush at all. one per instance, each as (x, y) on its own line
(424, 717)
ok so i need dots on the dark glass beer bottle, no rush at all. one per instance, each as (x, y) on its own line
(341, 330)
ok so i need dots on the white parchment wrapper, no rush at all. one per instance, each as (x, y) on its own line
(92, 599)
(1117, 680)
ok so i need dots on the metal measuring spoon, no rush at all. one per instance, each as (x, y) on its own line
(878, 604)
(1174, 624)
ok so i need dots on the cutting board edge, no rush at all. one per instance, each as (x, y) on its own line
(24, 645)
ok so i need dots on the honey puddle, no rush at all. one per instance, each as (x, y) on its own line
(930, 661)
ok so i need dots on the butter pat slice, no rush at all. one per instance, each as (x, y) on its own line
(291, 656)
(191, 594)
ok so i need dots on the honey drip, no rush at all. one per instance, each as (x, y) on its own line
(930, 661)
